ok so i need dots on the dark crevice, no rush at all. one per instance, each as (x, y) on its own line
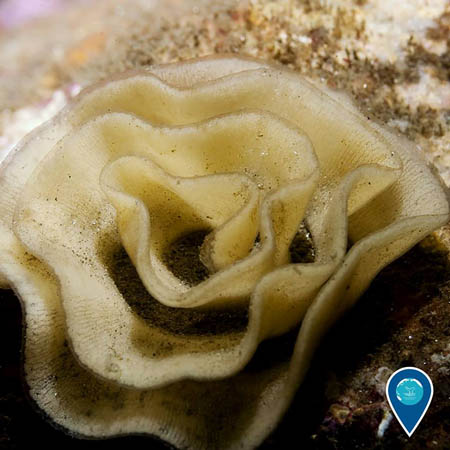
(302, 246)
(184, 321)
(182, 258)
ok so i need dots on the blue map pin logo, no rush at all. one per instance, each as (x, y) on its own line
(409, 392)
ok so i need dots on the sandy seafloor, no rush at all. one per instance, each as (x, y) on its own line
(391, 57)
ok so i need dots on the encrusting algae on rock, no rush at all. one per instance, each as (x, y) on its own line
(240, 152)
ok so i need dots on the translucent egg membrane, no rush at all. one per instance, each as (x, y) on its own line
(166, 223)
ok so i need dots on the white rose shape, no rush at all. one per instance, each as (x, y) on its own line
(240, 148)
